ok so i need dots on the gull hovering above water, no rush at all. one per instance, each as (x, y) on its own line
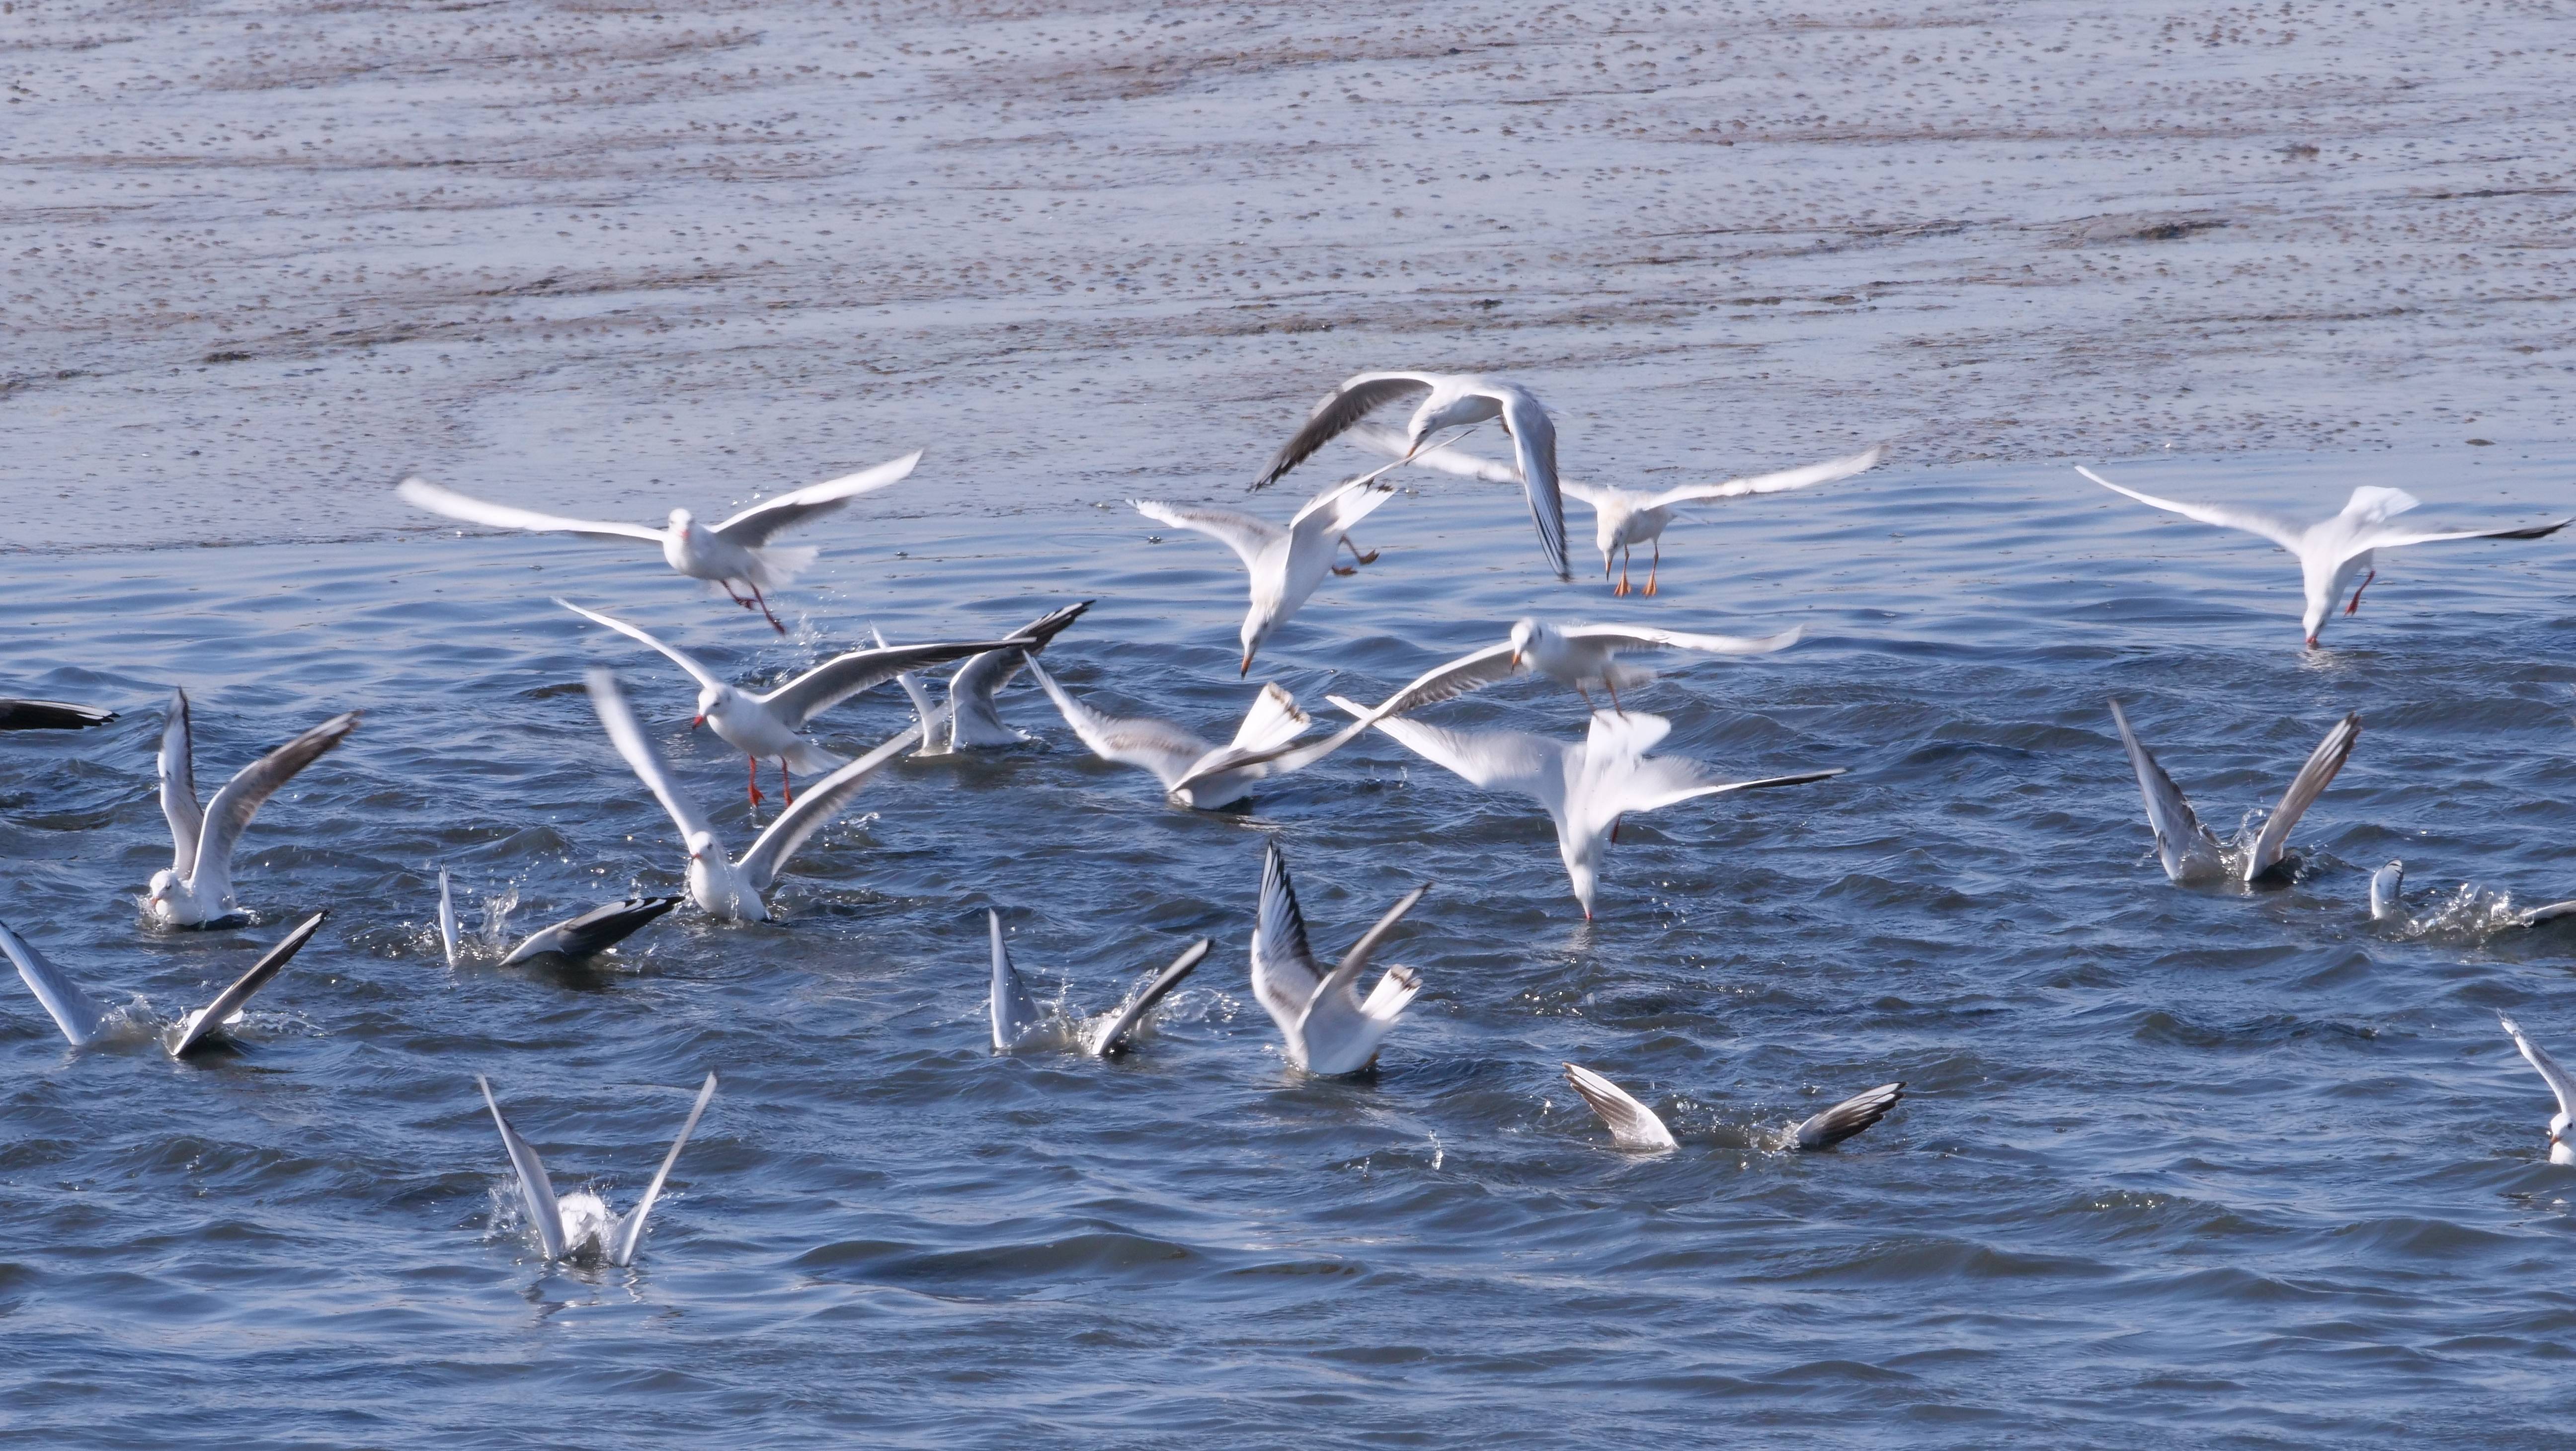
(1451, 399)
(2191, 854)
(765, 723)
(1284, 566)
(968, 718)
(1584, 786)
(1018, 1021)
(2332, 552)
(2560, 1123)
(579, 1225)
(1194, 770)
(84, 1022)
(1330, 1029)
(1622, 519)
(731, 890)
(1632, 1125)
(736, 551)
(196, 889)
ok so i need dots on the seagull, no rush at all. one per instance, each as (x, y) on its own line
(50, 715)
(594, 931)
(1454, 399)
(1579, 657)
(1283, 565)
(1330, 1029)
(578, 1225)
(736, 551)
(84, 1022)
(1622, 518)
(2332, 552)
(1018, 1022)
(766, 724)
(1632, 1125)
(2560, 1150)
(196, 889)
(2387, 886)
(968, 720)
(732, 890)
(1195, 771)
(2190, 853)
(1585, 786)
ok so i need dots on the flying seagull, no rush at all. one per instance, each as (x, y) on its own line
(1632, 1125)
(2332, 552)
(196, 889)
(50, 715)
(1330, 1029)
(765, 724)
(2191, 854)
(968, 719)
(1580, 657)
(736, 551)
(2560, 1150)
(1452, 399)
(579, 1225)
(1195, 771)
(83, 1021)
(1283, 566)
(1018, 1022)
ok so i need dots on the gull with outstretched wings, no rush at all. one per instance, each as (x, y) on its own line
(196, 889)
(1328, 1027)
(1018, 1021)
(84, 1022)
(579, 1225)
(2190, 852)
(1632, 1125)
(1283, 566)
(2560, 1123)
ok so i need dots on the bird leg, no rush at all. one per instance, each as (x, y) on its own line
(752, 765)
(1622, 587)
(765, 610)
(2355, 606)
(1612, 686)
(1657, 565)
(786, 788)
(1368, 558)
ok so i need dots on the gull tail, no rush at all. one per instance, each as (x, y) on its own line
(632, 1237)
(1111, 1037)
(774, 566)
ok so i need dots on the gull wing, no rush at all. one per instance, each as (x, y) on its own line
(535, 1189)
(446, 917)
(229, 814)
(73, 1010)
(1284, 976)
(1274, 720)
(1639, 637)
(815, 806)
(929, 717)
(2387, 887)
(632, 1238)
(2388, 538)
(971, 689)
(50, 715)
(1632, 1125)
(228, 1004)
(842, 676)
(1346, 974)
(1849, 1117)
(1447, 458)
(1155, 745)
(2226, 516)
(594, 931)
(2550, 912)
(1495, 760)
(1534, 445)
(681, 658)
(1667, 781)
(1359, 396)
(2188, 849)
(2539, 1058)
(1472, 671)
(756, 525)
(1345, 504)
(422, 494)
(1282, 759)
(1110, 1038)
(1015, 1014)
(1242, 533)
(1803, 477)
(646, 762)
(2270, 847)
(178, 767)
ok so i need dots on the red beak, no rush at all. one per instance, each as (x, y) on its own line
(696, 721)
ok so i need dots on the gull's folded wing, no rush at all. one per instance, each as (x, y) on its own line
(50, 715)
(594, 931)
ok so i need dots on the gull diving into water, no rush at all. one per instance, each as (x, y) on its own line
(1584, 786)
(1284, 566)
(196, 889)
(2387, 891)
(1632, 1125)
(84, 1022)
(1194, 770)
(1018, 1022)
(50, 715)
(579, 1226)
(594, 931)
(731, 890)
(2191, 854)
(736, 551)
(968, 719)
(2332, 552)
(2560, 1150)
(765, 724)
(1330, 1029)
(1622, 519)
(1452, 399)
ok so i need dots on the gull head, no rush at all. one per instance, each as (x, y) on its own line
(681, 519)
(165, 884)
(716, 702)
(703, 847)
(2558, 1127)
(1530, 639)
(1255, 631)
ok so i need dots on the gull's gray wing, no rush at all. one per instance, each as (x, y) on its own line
(1632, 1125)
(842, 676)
(1534, 444)
(1446, 458)
(2538, 1057)
(681, 658)
(1158, 746)
(594, 931)
(1849, 1117)
(756, 525)
(1111, 1037)
(73, 1010)
(1242, 533)
(422, 494)
(1015, 1014)
(446, 917)
(1639, 637)
(1346, 973)
(2226, 516)
(1284, 976)
(2549, 913)
(229, 1003)
(178, 767)
(818, 804)
(1805, 476)
(50, 715)
(2189, 851)
(632, 1238)
(641, 758)
(2271, 846)
(535, 1189)
(233, 807)
(1358, 397)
